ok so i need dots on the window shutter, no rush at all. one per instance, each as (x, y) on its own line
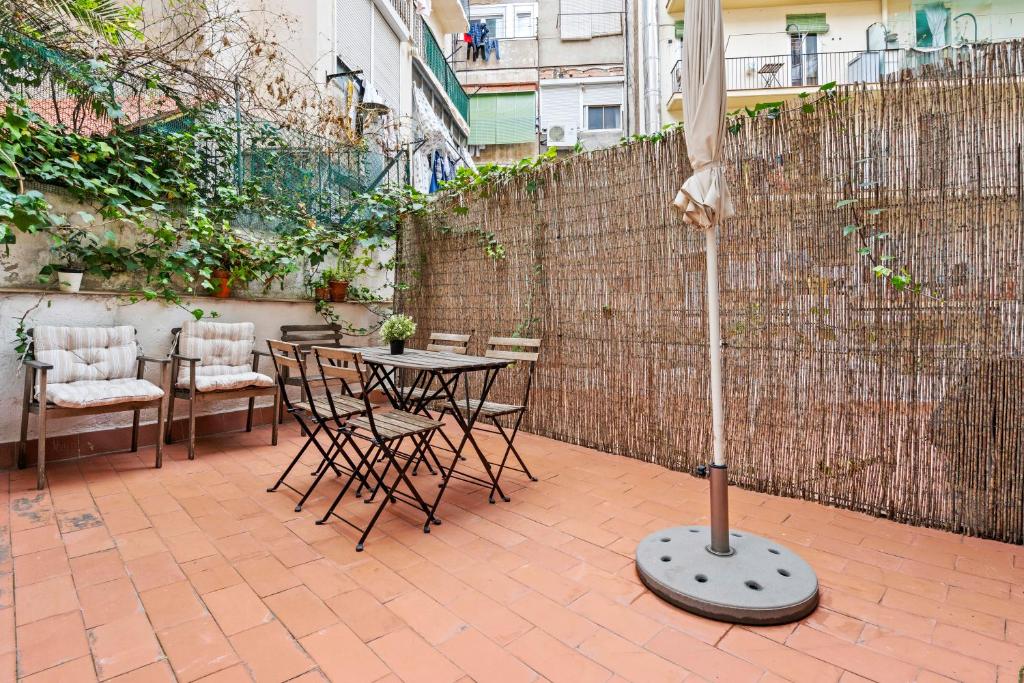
(560, 108)
(606, 19)
(806, 23)
(574, 20)
(483, 113)
(503, 118)
(353, 33)
(387, 63)
(519, 118)
(602, 93)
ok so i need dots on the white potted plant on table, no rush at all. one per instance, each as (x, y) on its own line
(396, 330)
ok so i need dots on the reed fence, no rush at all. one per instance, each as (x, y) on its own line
(839, 388)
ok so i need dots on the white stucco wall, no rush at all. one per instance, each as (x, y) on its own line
(761, 31)
(154, 322)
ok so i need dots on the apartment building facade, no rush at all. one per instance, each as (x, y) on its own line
(386, 57)
(776, 49)
(557, 79)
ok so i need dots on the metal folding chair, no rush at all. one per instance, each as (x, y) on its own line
(384, 432)
(522, 351)
(287, 358)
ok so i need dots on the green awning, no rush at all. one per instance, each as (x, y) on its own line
(806, 23)
(679, 29)
(503, 118)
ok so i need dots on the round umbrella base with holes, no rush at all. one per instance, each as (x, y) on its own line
(761, 582)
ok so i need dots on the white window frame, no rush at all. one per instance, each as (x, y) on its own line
(508, 13)
(586, 116)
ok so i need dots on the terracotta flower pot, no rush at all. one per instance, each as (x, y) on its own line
(221, 277)
(339, 289)
(322, 294)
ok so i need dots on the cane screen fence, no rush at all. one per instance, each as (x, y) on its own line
(838, 388)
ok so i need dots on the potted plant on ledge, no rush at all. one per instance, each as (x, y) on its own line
(396, 330)
(71, 248)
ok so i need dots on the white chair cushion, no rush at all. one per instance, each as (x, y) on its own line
(86, 353)
(223, 349)
(104, 392)
(232, 381)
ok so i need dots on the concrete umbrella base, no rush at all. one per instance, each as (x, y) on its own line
(761, 582)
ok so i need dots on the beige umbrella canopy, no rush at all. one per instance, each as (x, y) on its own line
(731, 576)
(704, 197)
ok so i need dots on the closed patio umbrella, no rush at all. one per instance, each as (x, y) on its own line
(751, 579)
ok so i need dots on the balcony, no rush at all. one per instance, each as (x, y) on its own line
(451, 16)
(675, 101)
(432, 55)
(760, 78)
(776, 72)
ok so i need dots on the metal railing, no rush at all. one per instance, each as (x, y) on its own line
(677, 77)
(810, 70)
(434, 57)
(404, 9)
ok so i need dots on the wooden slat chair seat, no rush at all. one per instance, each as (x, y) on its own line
(397, 424)
(346, 406)
(438, 341)
(522, 351)
(384, 432)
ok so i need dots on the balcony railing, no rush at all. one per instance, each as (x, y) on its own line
(810, 70)
(677, 77)
(863, 66)
(435, 60)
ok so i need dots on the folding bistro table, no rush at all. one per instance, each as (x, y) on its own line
(438, 374)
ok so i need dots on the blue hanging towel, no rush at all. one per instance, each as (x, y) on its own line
(436, 171)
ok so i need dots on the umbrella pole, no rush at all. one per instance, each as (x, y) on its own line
(719, 474)
(750, 580)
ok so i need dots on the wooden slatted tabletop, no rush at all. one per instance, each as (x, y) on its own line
(442, 362)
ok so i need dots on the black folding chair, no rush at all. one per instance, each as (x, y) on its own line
(384, 432)
(288, 357)
(522, 351)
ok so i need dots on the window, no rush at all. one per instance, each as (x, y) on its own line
(587, 19)
(524, 23)
(507, 21)
(604, 117)
(803, 48)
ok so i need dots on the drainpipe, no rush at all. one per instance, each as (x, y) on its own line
(885, 14)
(652, 77)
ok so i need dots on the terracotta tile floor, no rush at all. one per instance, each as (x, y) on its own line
(123, 572)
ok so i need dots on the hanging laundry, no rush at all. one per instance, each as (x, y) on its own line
(479, 32)
(491, 46)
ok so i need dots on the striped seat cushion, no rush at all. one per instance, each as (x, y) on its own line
(224, 351)
(86, 353)
(104, 392)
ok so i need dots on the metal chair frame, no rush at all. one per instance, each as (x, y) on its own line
(344, 364)
(509, 348)
(287, 357)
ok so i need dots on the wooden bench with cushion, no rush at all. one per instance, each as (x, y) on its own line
(81, 371)
(214, 361)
